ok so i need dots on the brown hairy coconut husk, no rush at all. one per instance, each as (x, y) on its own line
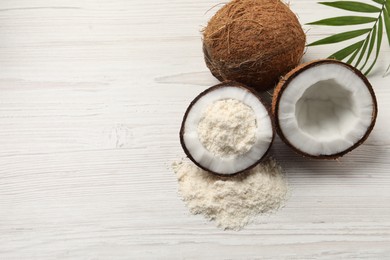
(253, 42)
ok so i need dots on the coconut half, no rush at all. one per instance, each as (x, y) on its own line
(324, 109)
(226, 129)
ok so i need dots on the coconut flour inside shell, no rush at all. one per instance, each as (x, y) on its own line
(228, 128)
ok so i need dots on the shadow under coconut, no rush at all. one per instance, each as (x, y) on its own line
(266, 97)
(363, 160)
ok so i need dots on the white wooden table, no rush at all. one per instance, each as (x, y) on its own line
(92, 94)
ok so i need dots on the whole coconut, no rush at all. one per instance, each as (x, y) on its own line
(253, 42)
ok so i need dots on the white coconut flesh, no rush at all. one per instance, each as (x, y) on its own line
(325, 110)
(227, 147)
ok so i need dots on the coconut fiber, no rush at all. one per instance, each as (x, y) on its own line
(254, 42)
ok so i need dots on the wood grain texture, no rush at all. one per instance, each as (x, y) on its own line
(91, 97)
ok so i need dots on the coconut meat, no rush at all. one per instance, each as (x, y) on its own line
(221, 162)
(325, 109)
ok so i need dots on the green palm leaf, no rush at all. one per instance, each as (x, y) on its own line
(378, 44)
(371, 47)
(386, 18)
(362, 50)
(353, 56)
(340, 37)
(353, 6)
(366, 41)
(342, 54)
(344, 20)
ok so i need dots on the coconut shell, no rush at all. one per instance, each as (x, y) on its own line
(205, 92)
(253, 42)
(283, 84)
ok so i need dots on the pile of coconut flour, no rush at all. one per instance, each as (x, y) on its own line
(232, 202)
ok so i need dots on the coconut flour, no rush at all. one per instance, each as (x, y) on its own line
(232, 202)
(227, 128)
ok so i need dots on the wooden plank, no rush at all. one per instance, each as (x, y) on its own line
(91, 98)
